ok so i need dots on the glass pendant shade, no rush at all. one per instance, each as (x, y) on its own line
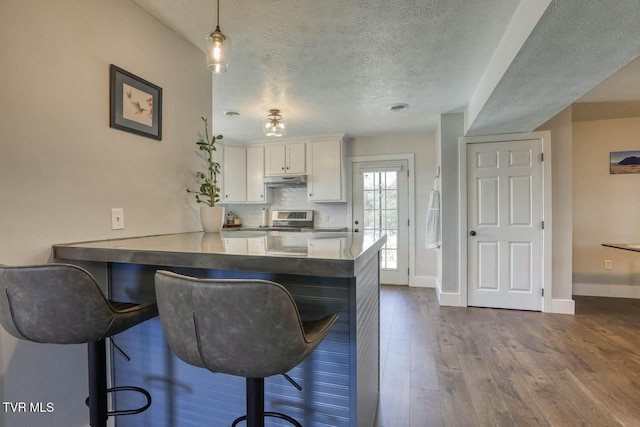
(273, 125)
(218, 48)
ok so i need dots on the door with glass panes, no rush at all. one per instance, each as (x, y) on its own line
(380, 205)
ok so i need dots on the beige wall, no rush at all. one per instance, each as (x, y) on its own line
(62, 168)
(423, 147)
(606, 209)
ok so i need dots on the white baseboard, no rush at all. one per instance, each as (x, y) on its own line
(600, 290)
(450, 299)
(423, 282)
(563, 306)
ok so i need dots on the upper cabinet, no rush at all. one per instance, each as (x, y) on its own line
(323, 160)
(243, 175)
(326, 163)
(256, 191)
(285, 159)
(234, 174)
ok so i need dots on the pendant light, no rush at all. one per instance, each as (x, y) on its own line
(218, 48)
(273, 125)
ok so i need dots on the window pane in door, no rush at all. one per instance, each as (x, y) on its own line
(381, 212)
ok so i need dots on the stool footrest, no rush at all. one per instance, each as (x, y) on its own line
(139, 410)
(270, 414)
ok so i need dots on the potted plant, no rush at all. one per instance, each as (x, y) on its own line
(211, 216)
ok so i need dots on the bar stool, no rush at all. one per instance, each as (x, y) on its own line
(247, 328)
(63, 304)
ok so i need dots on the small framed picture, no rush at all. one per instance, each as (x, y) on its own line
(624, 162)
(135, 104)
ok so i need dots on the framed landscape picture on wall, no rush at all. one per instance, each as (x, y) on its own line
(624, 162)
(135, 104)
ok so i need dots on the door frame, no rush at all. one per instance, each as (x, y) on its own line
(545, 148)
(409, 157)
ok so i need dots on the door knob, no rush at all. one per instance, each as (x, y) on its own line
(356, 222)
(472, 233)
(355, 230)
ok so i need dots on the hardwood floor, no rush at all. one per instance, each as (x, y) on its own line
(449, 366)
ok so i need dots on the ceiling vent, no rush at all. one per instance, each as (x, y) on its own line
(398, 107)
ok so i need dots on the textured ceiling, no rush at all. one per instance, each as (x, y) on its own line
(335, 66)
(575, 45)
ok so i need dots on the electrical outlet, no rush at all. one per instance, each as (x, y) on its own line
(117, 219)
(607, 264)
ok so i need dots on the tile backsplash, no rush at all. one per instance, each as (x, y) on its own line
(292, 198)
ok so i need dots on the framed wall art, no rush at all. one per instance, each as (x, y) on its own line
(624, 162)
(135, 104)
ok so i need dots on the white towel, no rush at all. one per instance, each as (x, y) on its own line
(433, 240)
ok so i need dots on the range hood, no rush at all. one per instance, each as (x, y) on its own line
(285, 181)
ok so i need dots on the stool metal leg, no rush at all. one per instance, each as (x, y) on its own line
(255, 406)
(97, 383)
(255, 402)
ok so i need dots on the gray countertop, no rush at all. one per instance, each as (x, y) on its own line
(339, 254)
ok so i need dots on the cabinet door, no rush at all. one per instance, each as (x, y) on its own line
(325, 179)
(255, 175)
(296, 158)
(235, 174)
(274, 159)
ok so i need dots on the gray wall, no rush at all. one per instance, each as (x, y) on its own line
(422, 145)
(561, 130)
(450, 129)
(62, 168)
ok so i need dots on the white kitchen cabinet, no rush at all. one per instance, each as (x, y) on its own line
(234, 172)
(326, 170)
(256, 191)
(285, 159)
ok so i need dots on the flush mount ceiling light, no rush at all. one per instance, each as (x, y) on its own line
(398, 107)
(273, 125)
(218, 48)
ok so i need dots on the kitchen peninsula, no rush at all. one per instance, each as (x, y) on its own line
(325, 272)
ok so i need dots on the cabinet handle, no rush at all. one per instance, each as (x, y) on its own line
(287, 167)
(283, 168)
(226, 195)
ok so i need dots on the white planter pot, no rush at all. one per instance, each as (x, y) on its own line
(211, 218)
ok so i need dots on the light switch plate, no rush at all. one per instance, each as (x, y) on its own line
(117, 219)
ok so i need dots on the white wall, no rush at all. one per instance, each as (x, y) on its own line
(62, 168)
(423, 147)
(606, 209)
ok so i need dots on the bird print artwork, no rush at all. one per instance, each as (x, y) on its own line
(137, 105)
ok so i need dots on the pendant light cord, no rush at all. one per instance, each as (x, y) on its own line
(218, 13)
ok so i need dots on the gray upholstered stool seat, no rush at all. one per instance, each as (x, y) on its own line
(63, 304)
(247, 328)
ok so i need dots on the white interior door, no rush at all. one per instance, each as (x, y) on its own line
(380, 204)
(504, 224)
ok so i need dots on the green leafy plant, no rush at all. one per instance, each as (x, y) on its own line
(209, 192)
